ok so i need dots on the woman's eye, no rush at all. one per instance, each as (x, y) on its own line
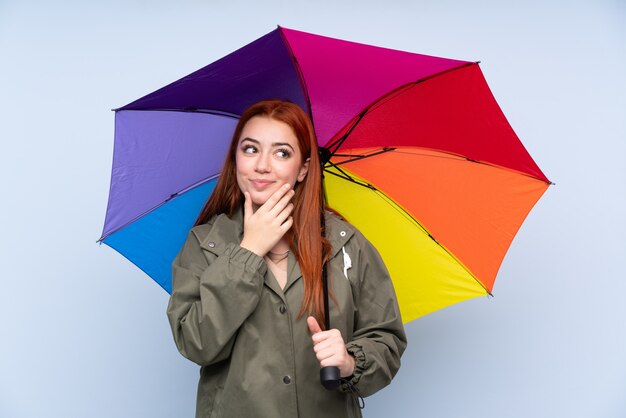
(248, 149)
(283, 153)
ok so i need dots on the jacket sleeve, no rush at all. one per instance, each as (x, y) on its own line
(379, 338)
(212, 295)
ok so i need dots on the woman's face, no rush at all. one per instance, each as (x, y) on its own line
(268, 156)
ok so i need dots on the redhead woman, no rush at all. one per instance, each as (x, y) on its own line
(247, 302)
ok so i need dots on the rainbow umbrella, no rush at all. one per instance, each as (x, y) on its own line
(420, 158)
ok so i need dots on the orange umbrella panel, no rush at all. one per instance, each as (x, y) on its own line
(445, 216)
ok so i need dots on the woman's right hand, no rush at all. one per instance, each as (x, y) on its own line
(264, 228)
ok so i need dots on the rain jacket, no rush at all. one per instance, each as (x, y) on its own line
(229, 315)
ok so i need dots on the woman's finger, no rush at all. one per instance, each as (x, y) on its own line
(284, 214)
(329, 343)
(331, 361)
(275, 198)
(247, 205)
(327, 352)
(286, 225)
(332, 334)
(282, 203)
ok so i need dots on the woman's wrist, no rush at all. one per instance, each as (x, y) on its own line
(252, 248)
(349, 370)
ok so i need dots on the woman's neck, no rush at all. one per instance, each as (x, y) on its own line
(281, 247)
(277, 261)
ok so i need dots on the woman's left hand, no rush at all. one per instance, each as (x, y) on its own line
(330, 349)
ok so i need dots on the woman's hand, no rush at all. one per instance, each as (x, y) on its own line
(330, 349)
(264, 228)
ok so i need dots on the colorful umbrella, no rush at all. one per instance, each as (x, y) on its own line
(423, 161)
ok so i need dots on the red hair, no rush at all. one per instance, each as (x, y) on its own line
(309, 246)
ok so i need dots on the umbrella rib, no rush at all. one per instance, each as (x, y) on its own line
(348, 177)
(451, 155)
(408, 86)
(339, 142)
(185, 110)
(446, 155)
(170, 197)
(298, 72)
(388, 96)
(407, 215)
(360, 157)
(404, 212)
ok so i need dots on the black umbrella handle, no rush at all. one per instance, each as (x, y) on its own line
(329, 375)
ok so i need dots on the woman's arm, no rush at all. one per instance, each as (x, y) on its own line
(215, 292)
(211, 298)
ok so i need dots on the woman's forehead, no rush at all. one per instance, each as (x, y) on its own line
(266, 130)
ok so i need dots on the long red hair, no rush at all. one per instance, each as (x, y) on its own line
(309, 246)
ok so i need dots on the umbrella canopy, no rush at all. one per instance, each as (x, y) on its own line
(423, 161)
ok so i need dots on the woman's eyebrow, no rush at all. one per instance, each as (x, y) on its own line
(282, 144)
(250, 139)
(274, 144)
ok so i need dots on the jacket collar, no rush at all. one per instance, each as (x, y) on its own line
(223, 231)
(338, 232)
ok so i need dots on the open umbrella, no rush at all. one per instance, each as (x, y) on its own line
(420, 158)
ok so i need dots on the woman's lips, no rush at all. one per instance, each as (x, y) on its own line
(261, 184)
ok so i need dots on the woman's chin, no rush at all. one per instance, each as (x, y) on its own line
(258, 199)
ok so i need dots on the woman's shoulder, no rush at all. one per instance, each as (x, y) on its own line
(202, 230)
(335, 222)
(340, 232)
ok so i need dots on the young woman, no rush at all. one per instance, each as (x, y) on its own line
(247, 300)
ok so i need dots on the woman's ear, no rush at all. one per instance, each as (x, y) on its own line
(303, 170)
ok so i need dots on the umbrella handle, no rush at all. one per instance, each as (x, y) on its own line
(329, 376)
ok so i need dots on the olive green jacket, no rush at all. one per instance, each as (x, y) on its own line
(229, 315)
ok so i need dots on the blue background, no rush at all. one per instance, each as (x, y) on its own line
(84, 332)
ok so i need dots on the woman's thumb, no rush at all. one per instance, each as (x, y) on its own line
(247, 205)
(314, 327)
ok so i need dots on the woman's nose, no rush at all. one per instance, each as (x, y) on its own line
(262, 164)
